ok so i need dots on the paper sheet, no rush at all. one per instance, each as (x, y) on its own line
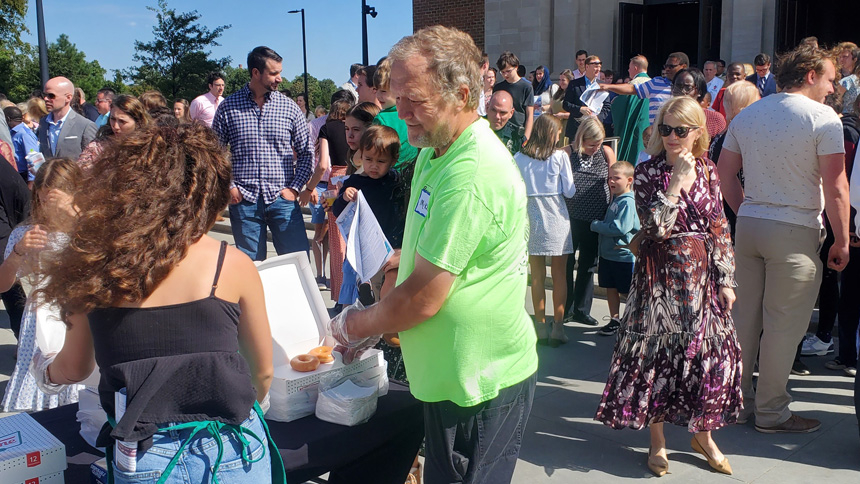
(367, 249)
(594, 98)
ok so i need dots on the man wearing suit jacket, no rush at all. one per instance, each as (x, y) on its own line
(572, 97)
(763, 78)
(63, 132)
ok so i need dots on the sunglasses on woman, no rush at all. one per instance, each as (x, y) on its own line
(680, 131)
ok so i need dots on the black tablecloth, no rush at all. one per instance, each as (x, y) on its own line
(379, 451)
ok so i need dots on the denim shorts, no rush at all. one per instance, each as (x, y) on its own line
(198, 458)
(317, 209)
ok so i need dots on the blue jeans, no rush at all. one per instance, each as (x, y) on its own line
(196, 461)
(478, 444)
(249, 220)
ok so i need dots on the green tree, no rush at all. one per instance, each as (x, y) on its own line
(12, 24)
(319, 91)
(234, 79)
(176, 61)
(64, 59)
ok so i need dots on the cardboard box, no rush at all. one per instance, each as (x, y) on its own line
(55, 478)
(29, 453)
(298, 318)
(98, 472)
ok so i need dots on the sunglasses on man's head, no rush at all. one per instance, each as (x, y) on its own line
(680, 131)
(49, 95)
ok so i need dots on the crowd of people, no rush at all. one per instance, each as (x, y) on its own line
(733, 178)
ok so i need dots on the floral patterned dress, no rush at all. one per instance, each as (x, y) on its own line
(22, 394)
(677, 358)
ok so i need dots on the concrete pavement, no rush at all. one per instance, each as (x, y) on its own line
(563, 443)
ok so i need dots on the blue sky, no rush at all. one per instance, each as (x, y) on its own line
(106, 30)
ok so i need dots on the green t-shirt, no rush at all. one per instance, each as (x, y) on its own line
(467, 215)
(388, 117)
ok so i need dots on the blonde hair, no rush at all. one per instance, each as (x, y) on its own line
(624, 167)
(738, 96)
(544, 137)
(688, 111)
(590, 129)
(36, 108)
(382, 76)
(452, 59)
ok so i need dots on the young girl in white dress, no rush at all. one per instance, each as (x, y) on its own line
(52, 215)
(548, 177)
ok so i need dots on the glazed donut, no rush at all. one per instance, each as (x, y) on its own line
(305, 363)
(323, 353)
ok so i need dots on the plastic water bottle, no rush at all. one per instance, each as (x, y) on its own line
(125, 453)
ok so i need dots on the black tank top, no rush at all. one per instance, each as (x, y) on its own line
(178, 363)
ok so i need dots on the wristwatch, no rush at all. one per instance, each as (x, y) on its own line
(309, 189)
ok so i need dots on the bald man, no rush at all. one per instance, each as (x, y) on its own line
(63, 133)
(499, 112)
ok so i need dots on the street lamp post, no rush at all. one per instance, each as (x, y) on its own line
(365, 11)
(43, 45)
(305, 56)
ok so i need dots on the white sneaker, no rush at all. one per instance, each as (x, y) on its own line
(813, 346)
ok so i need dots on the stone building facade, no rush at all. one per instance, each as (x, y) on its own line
(549, 32)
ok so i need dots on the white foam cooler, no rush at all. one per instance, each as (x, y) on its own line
(298, 318)
(29, 454)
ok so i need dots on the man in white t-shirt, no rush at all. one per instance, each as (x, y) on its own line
(714, 82)
(790, 146)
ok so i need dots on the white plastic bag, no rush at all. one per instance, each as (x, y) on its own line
(91, 415)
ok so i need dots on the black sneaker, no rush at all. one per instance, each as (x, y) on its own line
(611, 328)
(799, 368)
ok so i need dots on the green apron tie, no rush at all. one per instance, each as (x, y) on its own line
(214, 428)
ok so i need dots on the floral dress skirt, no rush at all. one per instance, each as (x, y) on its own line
(676, 358)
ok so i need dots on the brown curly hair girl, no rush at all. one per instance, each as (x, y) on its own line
(146, 200)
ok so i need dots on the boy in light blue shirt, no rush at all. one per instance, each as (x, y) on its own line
(619, 225)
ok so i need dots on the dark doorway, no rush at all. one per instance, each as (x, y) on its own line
(832, 21)
(660, 27)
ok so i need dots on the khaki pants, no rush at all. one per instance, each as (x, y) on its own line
(778, 274)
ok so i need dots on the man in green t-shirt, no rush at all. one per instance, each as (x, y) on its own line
(467, 341)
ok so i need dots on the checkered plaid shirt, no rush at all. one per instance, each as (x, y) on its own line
(269, 146)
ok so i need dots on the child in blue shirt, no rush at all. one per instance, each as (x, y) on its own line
(615, 267)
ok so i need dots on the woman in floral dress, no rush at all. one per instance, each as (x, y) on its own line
(677, 358)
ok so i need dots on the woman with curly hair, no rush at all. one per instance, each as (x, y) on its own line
(175, 319)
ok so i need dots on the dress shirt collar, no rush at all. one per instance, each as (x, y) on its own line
(51, 121)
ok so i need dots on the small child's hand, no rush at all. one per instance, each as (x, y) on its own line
(33, 241)
(349, 194)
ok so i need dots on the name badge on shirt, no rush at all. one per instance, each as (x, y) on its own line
(423, 203)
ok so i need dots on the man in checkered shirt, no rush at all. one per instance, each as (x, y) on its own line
(272, 159)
